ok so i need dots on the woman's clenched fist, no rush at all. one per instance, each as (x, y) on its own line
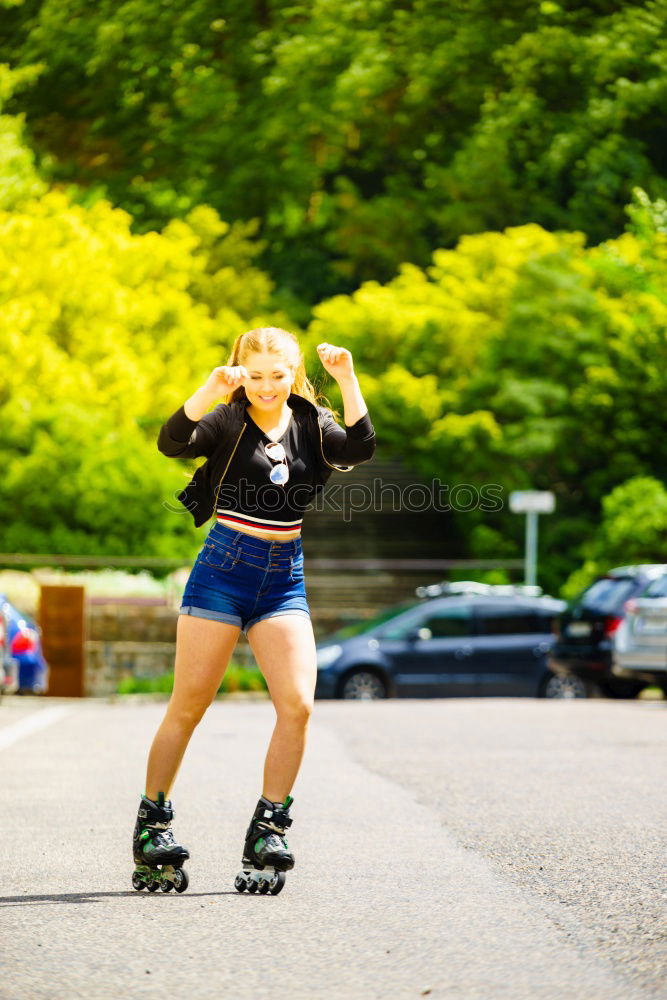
(224, 379)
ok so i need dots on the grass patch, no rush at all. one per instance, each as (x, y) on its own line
(652, 694)
(237, 678)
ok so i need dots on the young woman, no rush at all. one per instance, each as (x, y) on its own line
(270, 449)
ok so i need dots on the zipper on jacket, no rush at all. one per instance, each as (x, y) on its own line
(215, 505)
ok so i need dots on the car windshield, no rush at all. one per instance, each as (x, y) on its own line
(358, 628)
(607, 595)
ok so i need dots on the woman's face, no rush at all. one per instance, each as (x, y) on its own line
(269, 380)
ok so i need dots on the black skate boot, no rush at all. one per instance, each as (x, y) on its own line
(266, 857)
(159, 859)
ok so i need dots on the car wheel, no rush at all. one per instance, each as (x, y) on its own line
(563, 686)
(363, 684)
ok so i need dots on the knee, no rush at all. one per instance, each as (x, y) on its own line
(296, 713)
(185, 717)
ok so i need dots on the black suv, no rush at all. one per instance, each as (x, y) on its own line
(459, 644)
(584, 646)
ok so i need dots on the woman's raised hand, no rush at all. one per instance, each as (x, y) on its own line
(337, 361)
(224, 379)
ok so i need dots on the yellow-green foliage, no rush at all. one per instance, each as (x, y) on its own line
(424, 336)
(237, 678)
(523, 359)
(363, 133)
(103, 333)
(95, 314)
(18, 177)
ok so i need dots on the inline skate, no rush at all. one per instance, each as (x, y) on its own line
(266, 857)
(158, 858)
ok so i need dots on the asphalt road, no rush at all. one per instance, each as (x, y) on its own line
(472, 849)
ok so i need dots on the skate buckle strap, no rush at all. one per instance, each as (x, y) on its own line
(278, 821)
(155, 824)
(158, 818)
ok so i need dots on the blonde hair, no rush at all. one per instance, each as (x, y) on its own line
(274, 340)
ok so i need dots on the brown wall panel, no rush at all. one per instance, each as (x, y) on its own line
(62, 619)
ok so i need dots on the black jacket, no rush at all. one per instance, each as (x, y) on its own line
(217, 434)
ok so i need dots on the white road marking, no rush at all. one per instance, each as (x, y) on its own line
(31, 724)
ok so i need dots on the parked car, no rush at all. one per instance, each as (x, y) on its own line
(8, 666)
(29, 670)
(641, 639)
(461, 644)
(586, 631)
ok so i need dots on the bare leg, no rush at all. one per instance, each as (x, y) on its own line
(284, 647)
(203, 651)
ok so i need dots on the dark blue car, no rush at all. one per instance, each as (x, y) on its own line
(25, 670)
(460, 645)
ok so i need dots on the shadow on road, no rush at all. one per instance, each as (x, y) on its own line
(92, 897)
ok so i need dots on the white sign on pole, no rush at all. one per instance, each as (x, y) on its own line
(532, 502)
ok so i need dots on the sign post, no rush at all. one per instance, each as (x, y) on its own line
(531, 503)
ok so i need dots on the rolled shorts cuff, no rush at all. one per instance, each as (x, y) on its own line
(231, 619)
(275, 614)
(216, 616)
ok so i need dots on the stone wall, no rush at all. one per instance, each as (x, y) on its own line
(127, 637)
(108, 663)
(136, 636)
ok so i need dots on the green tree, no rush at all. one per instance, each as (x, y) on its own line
(103, 334)
(360, 135)
(19, 179)
(569, 126)
(633, 529)
(522, 359)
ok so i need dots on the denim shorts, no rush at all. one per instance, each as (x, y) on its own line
(240, 579)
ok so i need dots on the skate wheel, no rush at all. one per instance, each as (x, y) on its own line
(166, 886)
(264, 887)
(153, 886)
(138, 881)
(276, 883)
(181, 880)
(252, 885)
(239, 883)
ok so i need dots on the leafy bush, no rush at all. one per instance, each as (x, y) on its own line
(360, 134)
(237, 678)
(103, 335)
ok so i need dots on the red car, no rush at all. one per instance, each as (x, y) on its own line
(23, 668)
(8, 666)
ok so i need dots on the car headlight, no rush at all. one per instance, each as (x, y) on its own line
(327, 655)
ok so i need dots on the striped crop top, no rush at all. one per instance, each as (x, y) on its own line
(249, 499)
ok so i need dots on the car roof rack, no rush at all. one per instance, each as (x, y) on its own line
(462, 587)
